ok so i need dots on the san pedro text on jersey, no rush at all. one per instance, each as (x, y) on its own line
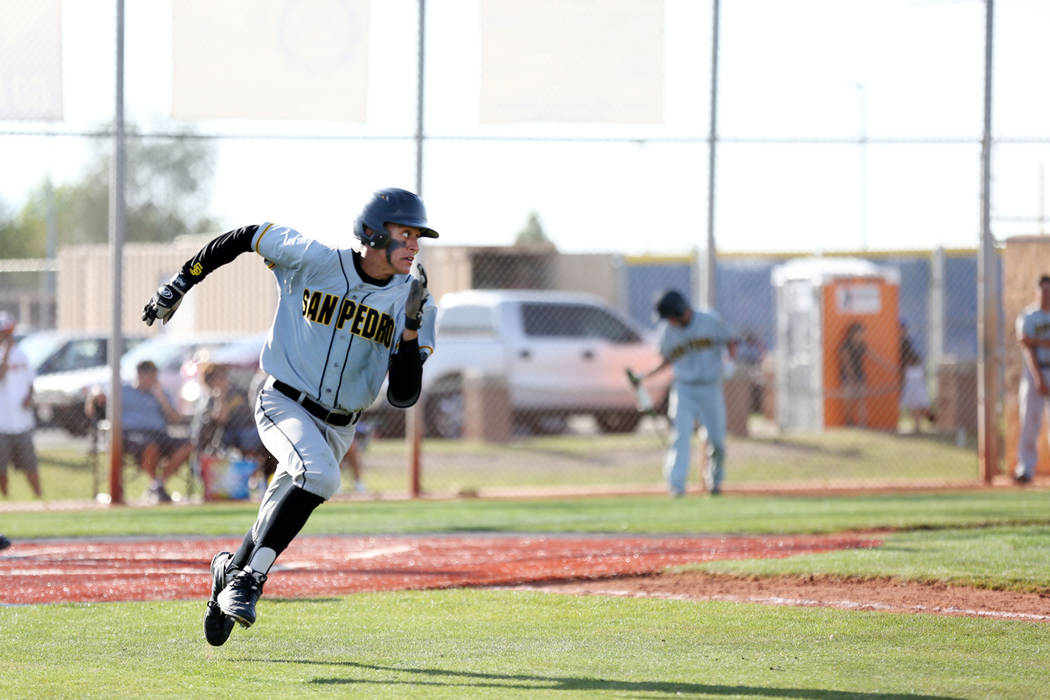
(364, 321)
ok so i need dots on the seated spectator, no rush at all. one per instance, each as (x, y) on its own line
(146, 413)
(226, 421)
(227, 416)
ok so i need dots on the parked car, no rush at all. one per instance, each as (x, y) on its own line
(60, 396)
(560, 353)
(63, 351)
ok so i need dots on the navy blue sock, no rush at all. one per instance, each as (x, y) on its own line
(287, 519)
(243, 554)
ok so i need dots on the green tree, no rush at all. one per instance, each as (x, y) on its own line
(533, 232)
(14, 243)
(168, 185)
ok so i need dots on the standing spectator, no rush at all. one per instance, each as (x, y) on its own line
(1033, 333)
(691, 342)
(852, 353)
(352, 459)
(853, 356)
(749, 354)
(16, 409)
(915, 399)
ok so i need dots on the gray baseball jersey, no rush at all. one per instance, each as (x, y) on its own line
(695, 350)
(333, 332)
(1033, 322)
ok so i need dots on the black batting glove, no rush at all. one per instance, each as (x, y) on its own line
(166, 300)
(417, 294)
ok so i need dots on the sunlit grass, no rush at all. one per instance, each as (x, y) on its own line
(484, 644)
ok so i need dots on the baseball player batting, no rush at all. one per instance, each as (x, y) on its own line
(345, 320)
(691, 342)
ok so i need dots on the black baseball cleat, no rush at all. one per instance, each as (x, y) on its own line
(4, 542)
(217, 625)
(239, 597)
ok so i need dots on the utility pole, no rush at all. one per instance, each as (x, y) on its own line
(116, 247)
(709, 261)
(987, 287)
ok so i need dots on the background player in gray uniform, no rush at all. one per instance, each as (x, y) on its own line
(691, 342)
(1033, 332)
(344, 320)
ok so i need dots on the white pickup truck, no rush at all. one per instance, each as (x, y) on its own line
(560, 353)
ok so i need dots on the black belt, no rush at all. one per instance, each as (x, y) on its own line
(337, 418)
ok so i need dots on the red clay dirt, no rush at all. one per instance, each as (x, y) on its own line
(54, 571)
(50, 571)
(884, 595)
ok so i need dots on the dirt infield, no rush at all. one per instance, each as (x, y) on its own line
(887, 595)
(50, 571)
(81, 570)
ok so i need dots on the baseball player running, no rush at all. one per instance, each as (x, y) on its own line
(344, 321)
(691, 342)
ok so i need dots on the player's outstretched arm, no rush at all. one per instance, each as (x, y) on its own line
(218, 252)
(664, 364)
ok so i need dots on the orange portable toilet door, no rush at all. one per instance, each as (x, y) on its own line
(867, 308)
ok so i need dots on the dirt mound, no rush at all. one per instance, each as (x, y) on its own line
(883, 595)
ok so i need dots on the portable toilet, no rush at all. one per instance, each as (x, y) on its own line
(817, 301)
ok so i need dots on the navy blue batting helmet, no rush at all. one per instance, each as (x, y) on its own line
(671, 304)
(393, 206)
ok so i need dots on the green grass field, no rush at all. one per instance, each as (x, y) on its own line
(483, 644)
(588, 461)
(503, 644)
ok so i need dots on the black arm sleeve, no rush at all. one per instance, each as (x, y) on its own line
(406, 375)
(218, 252)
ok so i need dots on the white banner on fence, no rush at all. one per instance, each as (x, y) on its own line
(572, 61)
(270, 59)
(31, 59)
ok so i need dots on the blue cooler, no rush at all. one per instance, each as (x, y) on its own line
(237, 478)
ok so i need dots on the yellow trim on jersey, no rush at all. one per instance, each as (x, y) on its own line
(259, 239)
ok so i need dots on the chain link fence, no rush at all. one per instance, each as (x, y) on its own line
(527, 390)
